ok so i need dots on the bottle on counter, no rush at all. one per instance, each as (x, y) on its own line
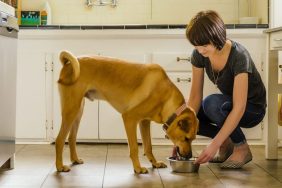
(46, 18)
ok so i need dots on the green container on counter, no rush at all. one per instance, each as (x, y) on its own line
(30, 17)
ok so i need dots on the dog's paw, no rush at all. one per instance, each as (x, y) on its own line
(64, 169)
(159, 164)
(141, 170)
(77, 161)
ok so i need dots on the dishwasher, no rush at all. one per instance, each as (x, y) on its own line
(8, 80)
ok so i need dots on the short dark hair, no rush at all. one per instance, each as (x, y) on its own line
(206, 27)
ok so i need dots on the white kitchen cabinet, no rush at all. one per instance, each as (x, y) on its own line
(31, 95)
(173, 61)
(38, 104)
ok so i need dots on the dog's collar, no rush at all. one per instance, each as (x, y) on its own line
(174, 116)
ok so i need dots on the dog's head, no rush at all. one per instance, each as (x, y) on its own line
(182, 132)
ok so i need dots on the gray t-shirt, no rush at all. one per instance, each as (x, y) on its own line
(239, 61)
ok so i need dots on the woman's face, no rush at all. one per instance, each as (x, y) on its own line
(206, 50)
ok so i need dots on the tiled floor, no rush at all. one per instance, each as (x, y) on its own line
(108, 165)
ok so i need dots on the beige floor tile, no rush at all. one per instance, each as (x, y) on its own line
(22, 180)
(249, 175)
(59, 180)
(82, 170)
(152, 179)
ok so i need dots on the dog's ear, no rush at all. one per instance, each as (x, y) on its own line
(184, 125)
(194, 128)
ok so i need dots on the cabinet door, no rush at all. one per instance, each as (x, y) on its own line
(110, 121)
(88, 128)
(31, 100)
(173, 61)
(183, 82)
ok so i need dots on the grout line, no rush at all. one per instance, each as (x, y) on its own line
(212, 171)
(105, 165)
(18, 151)
(53, 166)
(216, 176)
(265, 170)
(47, 175)
(161, 178)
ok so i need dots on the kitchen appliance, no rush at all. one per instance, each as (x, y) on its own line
(8, 71)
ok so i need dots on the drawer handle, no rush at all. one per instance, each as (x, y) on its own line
(183, 59)
(277, 39)
(280, 66)
(183, 79)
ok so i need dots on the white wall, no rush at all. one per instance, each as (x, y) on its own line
(277, 13)
(145, 11)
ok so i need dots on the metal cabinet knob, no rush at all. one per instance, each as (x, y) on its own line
(280, 66)
(183, 79)
(183, 59)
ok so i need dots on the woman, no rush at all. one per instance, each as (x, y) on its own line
(243, 100)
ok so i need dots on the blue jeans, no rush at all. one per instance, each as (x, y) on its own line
(214, 111)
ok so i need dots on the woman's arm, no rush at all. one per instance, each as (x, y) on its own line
(240, 93)
(196, 92)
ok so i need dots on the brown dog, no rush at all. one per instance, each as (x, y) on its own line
(140, 92)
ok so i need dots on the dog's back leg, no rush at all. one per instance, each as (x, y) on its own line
(130, 124)
(146, 139)
(73, 135)
(70, 111)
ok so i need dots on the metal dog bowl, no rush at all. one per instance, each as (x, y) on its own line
(185, 166)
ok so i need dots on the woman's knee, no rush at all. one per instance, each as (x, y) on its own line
(212, 105)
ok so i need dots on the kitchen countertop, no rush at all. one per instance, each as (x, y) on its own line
(273, 29)
(127, 31)
(134, 26)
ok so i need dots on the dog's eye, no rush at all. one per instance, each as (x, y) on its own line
(184, 125)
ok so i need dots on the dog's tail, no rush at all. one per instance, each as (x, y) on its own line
(71, 69)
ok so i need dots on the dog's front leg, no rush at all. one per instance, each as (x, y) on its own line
(131, 128)
(146, 138)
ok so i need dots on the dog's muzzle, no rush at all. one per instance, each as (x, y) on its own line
(184, 157)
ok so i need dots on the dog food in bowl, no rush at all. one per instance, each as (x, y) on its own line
(184, 166)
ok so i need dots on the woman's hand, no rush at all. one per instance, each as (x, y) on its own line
(207, 154)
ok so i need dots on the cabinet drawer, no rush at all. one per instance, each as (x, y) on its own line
(276, 40)
(173, 61)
